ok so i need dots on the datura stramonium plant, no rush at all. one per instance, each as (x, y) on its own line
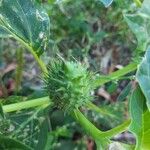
(68, 84)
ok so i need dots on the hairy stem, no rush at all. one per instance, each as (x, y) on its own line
(27, 104)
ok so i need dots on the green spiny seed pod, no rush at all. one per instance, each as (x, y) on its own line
(68, 84)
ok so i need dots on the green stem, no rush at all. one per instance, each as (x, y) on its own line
(138, 3)
(119, 129)
(94, 132)
(39, 61)
(27, 104)
(110, 133)
(97, 134)
(84, 122)
(115, 75)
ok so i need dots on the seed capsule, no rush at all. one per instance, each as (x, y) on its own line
(68, 84)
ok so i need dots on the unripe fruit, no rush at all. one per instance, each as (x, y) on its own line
(68, 84)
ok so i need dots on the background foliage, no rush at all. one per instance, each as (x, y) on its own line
(86, 31)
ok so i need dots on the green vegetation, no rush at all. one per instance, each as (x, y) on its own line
(75, 99)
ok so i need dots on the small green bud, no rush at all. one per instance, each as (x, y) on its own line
(68, 84)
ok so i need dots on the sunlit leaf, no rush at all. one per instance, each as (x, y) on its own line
(27, 22)
(139, 23)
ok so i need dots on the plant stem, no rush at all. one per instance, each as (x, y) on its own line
(119, 129)
(27, 104)
(110, 133)
(86, 124)
(138, 3)
(94, 132)
(39, 61)
(115, 75)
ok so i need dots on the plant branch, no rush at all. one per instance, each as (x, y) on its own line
(27, 104)
(110, 133)
(86, 124)
(119, 129)
(115, 75)
(39, 61)
(95, 132)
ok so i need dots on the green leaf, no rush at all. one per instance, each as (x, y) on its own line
(11, 144)
(140, 122)
(27, 22)
(31, 127)
(106, 2)
(143, 76)
(43, 135)
(139, 23)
